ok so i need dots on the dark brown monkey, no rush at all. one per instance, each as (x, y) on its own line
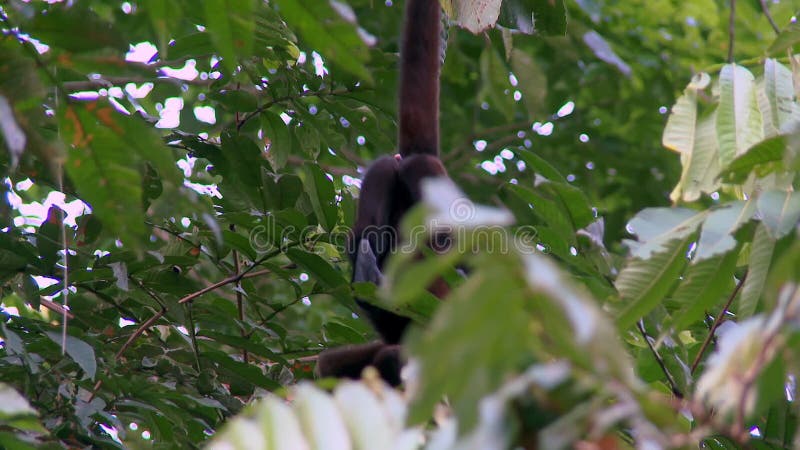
(392, 186)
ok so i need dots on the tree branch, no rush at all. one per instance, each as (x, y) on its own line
(717, 323)
(231, 279)
(142, 328)
(731, 30)
(673, 386)
(765, 10)
(274, 101)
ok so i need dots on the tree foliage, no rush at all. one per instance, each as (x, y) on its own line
(179, 178)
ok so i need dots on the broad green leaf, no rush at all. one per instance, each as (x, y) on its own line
(317, 266)
(779, 212)
(248, 373)
(779, 91)
(278, 138)
(705, 283)
(329, 34)
(674, 358)
(762, 248)
(763, 158)
(540, 166)
(409, 279)
(719, 227)
(323, 197)
(494, 83)
(573, 201)
(738, 117)
(101, 166)
(198, 43)
(701, 165)
(679, 133)
(80, 352)
(547, 209)
(657, 228)
(546, 17)
(231, 24)
(162, 15)
(48, 237)
(480, 330)
(788, 38)
(235, 100)
(532, 82)
(644, 283)
(76, 28)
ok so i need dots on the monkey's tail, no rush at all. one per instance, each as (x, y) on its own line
(419, 79)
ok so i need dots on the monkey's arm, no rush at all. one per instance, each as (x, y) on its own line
(349, 361)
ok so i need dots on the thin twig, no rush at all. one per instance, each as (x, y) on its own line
(275, 312)
(731, 30)
(65, 277)
(239, 299)
(193, 336)
(269, 104)
(107, 82)
(765, 10)
(142, 328)
(55, 307)
(717, 323)
(178, 235)
(672, 384)
(218, 284)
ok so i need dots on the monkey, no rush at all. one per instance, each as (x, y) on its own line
(390, 188)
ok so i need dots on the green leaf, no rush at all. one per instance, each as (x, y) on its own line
(473, 331)
(704, 284)
(549, 210)
(494, 83)
(75, 28)
(738, 117)
(546, 17)
(231, 24)
(48, 237)
(788, 38)
(235, 100)
(679, 133)
(100, 165)
(762, 247)
(719, 227)
(540, 166)
(644, 283)
(80, 352)
(249, 373)
(779, 212)
(317, 266)
(161, 14)
(532, 82)
(657, 228)
(329, 34)
(322, 194)
(763, 158)
(779, 92)
(276, 133)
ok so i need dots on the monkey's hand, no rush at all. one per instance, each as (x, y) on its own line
(366, 264)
